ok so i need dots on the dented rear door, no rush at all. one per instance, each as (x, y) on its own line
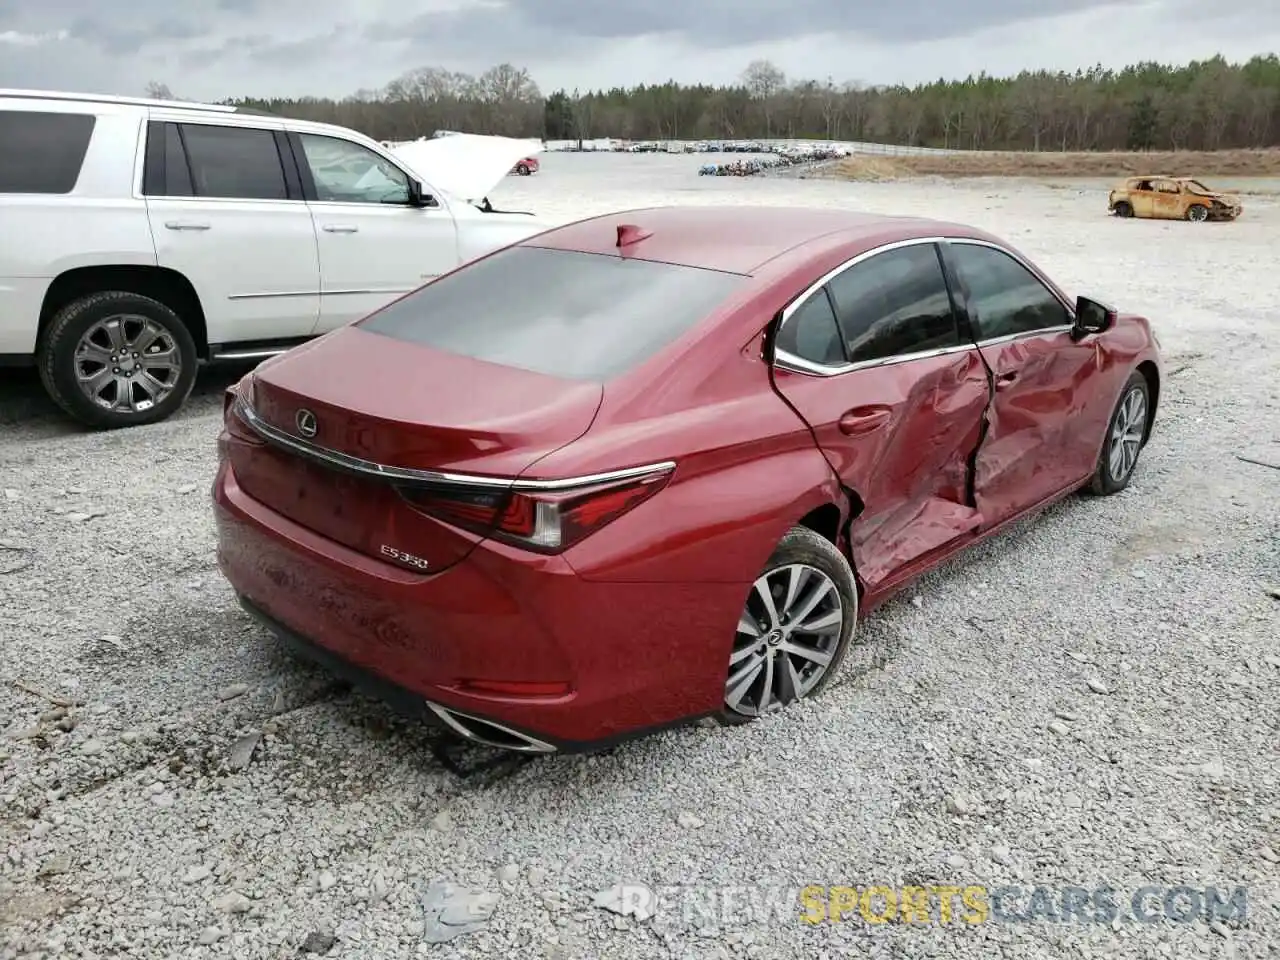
(878, 366)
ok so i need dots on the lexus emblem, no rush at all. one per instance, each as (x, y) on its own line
(306, 421)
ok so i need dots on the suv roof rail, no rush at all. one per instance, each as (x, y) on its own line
(109, 98)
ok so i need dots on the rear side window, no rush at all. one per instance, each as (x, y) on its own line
(165, 173)
(811, 332)
(577, 316)
(895, 303)
(237, 163)
(42, 152)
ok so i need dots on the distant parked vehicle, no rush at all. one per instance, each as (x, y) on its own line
(140, 238)
(653, 466)
(1172, 198)
(526, 166)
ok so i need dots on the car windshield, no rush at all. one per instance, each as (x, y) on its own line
(1195, 186)
(577, 316)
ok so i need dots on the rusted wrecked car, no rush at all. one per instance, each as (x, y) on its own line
(1172, 198)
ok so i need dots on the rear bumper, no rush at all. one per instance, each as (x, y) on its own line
(468, 726)
(633, 657)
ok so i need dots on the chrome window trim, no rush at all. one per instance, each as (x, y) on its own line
(368, 468)
(800, 365)
(795, 364)
(1010, 337)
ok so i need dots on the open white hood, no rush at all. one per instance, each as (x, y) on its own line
(467, 165)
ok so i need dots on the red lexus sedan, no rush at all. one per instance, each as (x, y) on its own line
(653, 466)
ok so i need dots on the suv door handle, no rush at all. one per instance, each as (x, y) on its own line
(1005, 380)
(185, 225)
(861, 420)
(341, 228)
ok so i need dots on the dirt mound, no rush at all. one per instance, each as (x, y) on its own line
(984, 163)
(866, 166)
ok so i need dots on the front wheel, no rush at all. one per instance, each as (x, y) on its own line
(523, 169)
(1123, 209)
(1126, 435)
(118, 359)
(798, 621)
(1197, 213)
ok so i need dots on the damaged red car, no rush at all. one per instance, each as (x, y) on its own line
(652, 467)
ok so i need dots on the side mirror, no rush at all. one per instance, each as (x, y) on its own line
(1092, 316)
(419, 199)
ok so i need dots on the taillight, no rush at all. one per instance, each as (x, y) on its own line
(544, 521)
(241, 393)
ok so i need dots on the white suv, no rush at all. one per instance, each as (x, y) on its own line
(143, 237)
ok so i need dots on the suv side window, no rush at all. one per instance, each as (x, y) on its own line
(811, 333)
(895, 303)
(42, 152)
(346, 172)
(1004, 297)
(165, 171)
(240, 163)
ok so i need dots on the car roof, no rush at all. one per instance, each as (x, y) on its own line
(735, 239)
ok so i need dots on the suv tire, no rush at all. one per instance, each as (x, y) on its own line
(79, 344)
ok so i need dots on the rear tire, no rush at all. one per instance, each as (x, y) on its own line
(797, 623)
(1125, 437)
(89, 371)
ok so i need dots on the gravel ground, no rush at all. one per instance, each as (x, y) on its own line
(964, 746)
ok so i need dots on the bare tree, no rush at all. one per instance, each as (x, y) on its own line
(763, 80)
(583, 111)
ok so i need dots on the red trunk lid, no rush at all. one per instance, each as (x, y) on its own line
(404, 406)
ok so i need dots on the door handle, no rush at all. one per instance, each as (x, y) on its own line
(862, 420)
(1005, 380)
(185, 225)
(341, 228)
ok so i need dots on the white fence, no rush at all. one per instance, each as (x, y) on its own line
(608, 145)
(702, 146)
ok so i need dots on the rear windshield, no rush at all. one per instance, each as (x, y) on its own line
(577, 316)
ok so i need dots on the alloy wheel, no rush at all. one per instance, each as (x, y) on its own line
(787, 636)
(127, 363)
(1199, 213)
(1126, 434)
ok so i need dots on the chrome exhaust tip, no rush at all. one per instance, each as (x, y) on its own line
(488, 733)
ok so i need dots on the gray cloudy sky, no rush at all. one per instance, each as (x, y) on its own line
(210, 49)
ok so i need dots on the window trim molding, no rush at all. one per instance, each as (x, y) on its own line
(789, 361)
